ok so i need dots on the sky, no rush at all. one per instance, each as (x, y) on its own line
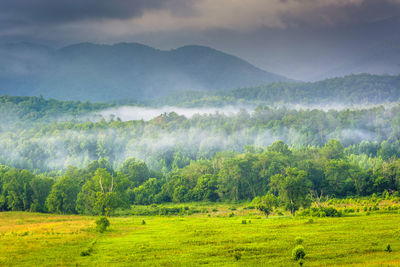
(302, 39)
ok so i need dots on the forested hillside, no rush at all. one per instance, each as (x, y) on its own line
(352, 89)
(94, 72)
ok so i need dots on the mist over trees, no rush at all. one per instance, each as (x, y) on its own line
(59, 134)
(64, 157)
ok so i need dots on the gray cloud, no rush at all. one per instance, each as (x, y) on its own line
(161, 15)
(50, 11)
(303, 39)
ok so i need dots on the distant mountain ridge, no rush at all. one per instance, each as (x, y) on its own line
(351, 89)
(95, 72)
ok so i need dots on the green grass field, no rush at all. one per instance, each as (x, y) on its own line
(31, 239)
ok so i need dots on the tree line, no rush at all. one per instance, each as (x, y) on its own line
(292, 177)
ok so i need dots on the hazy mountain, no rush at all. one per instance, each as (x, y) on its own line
(381, 58)
(127, 70)
(356, 89)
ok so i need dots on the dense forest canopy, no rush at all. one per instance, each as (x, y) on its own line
(46, 135)
(65, 157)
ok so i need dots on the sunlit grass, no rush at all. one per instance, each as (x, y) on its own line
(31, 239)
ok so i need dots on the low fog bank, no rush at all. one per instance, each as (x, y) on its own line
(127, 113)
(55, 146)
(336, 106)
(151, 144)
(59, 149)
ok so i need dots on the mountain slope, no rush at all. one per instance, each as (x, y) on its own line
(347, 90)
(126, 70)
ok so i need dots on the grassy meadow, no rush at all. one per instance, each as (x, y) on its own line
(225, 235)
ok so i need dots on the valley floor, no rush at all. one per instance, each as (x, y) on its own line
(32, 239)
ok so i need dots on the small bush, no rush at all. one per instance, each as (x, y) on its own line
(298, 253)
(89, 249)
(321, 212)
(237, 256)
(102, 224)
(388, 248)
(310, 221)
(299, 240)
(143, 222)
(85, 253)
(231, 214)
(244, 222)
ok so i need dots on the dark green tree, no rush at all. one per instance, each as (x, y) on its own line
(293, 188)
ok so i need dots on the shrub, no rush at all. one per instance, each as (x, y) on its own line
(143, 222)
(231, 214)
(298, 253)
(102, 224)
(89, 249)
(332, 212)
(244, 222)
(86, 252)
(237, 255)
(321, 212)
(175, 210)
(388, 248)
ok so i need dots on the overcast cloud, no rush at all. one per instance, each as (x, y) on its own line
(266, 33)
(170, 15)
